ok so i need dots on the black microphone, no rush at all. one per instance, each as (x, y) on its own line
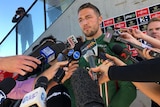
(70, 55)
(37, 97)
(86, 90)
(58, 96)
(91, 60)
(75, 53)
(101, 53)
(5, 87)
(41, 82)
(151, 53)
(124, 53)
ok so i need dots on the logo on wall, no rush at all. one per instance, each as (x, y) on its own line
(143, 20)
(136, 19)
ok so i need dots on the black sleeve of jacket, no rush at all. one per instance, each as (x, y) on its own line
(144, 71)
(15, 19)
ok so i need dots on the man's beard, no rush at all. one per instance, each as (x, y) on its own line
(91, 33)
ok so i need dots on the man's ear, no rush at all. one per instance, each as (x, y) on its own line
(100, 19)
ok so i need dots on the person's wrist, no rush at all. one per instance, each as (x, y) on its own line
(106, 75)
(143, 36)
(1, 64)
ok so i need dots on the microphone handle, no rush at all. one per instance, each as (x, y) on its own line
(129, 43)
(134, 59)
(17, 104)
(154, 54)
(92, 64)
(59, 75)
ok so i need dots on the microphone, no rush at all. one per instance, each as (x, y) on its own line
(91, 60)
(71, 41)
(124, 53)
(86, 91)
(37, 97)
(89, 51)
(75, 53)
(129, 43)
(151, 53)
(48, 51)
(87, 46)
(5, 87)
(70, 55)
(101, 54)
(58, 96)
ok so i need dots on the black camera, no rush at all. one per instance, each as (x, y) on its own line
(19, 12)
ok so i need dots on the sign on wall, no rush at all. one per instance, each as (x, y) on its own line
(137, 19)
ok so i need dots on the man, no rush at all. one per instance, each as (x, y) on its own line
(89, 18)
(25, 27)
(153, 28)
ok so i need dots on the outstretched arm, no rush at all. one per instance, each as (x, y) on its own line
(20, 64)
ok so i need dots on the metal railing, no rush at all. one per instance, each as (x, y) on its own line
(44, 14)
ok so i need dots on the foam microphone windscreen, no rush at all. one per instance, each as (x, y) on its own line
(86, 90)
(117, 49)
(58, 96)
(41, 82)
(7, 85)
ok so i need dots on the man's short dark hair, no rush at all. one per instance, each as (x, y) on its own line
(22, 8)
(89, 5)
(155, 19)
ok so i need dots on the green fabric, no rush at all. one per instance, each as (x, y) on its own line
(120, 95)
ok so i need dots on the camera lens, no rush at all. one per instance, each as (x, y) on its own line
(18, 12)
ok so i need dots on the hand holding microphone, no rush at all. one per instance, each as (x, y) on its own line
(130, 40)
(20, 64)
(104, 67)
(71, 55)
(150, 53)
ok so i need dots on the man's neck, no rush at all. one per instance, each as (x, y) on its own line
(94, 36)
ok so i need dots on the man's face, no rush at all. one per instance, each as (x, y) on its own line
(89, 22)
(20, 12)
(153, 30)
